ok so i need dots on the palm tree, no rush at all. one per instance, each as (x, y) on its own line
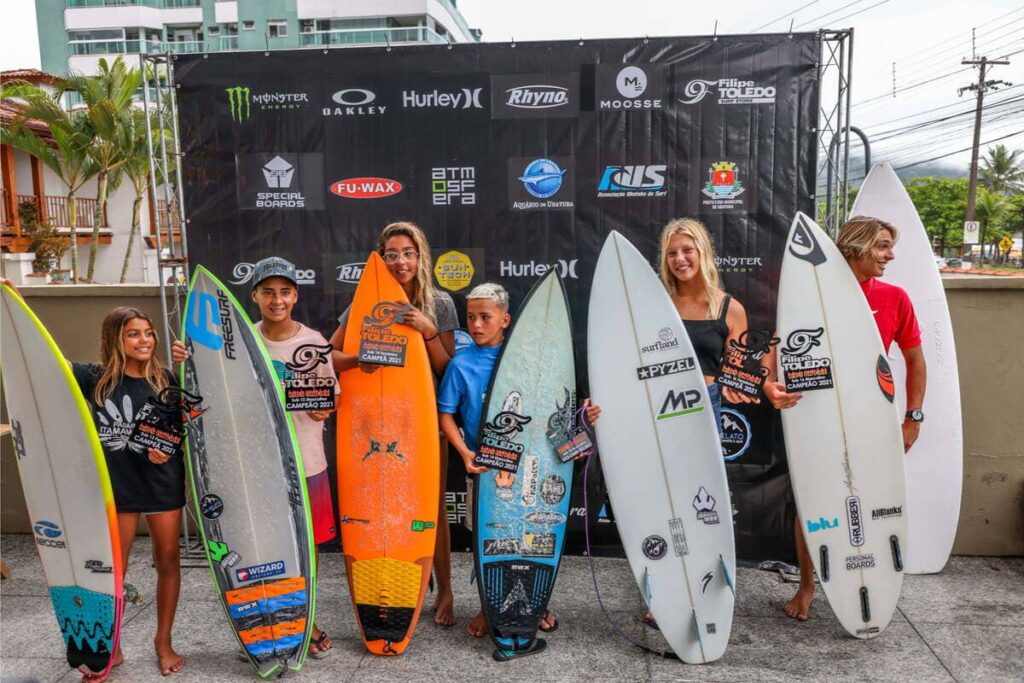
(66, 154)
(107, 99)
(1002, 170)
(136, 169)
(989, 210)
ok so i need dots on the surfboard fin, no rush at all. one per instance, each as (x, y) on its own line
(696, 625)
(729, 580)
(825, 573)
(897, 556)
(647, 588)
(865, 605)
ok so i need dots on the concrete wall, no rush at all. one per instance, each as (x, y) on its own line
(988, 320)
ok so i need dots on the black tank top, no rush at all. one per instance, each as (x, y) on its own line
(708, 339)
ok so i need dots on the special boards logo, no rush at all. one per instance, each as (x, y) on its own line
(541, 183)
(283, 181)
(369, 187)
(243, 271)
(241, 101)
(460, 98)
(453, 185)
(633, 181)
(631, 86)
(354, 102)
(534, 96)
(723, 188)
(729, 91)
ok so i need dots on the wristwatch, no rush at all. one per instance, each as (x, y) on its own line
(915, 416)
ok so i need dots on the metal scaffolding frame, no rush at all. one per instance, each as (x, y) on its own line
(835, 69)
(163, 144)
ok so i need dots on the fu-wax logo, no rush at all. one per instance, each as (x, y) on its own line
(241, 99)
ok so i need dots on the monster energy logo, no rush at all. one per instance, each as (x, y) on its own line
(238, 99)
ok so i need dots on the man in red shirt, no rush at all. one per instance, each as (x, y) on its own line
(866, 244)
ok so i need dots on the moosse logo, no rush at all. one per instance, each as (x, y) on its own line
(545, 183)
(241, 101)
(366, 188)
(723, 188)
(464, 98)
(631, 86)
(534, 95)
(453, 185)
(633, 181)
(243, 271)
(354, 102)
(736, 434)
(535, 269)
(280, 181)
(685, 402)
(729, 91)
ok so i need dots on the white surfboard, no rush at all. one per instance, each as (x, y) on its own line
(661, 455)
(67, 489)
(843, 438)
(935, 463)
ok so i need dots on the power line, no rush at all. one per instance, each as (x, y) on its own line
(787, 14)
(837, 9)
(976, 40)
(942, 45)
(854, 13)
(934, 109)
(959, 151)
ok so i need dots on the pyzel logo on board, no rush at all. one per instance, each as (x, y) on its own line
(545, 183)
(855, 521)
(723, 188)
(366, 188)
(453, 185)
(242, 273)
(736, 434)
(464, 98)
(664, 369)
(704, 504)
(47, 533)
(729, 90)
(241, 99)
(354, 102)
(633, 181)
(630, 87)
(536, 269)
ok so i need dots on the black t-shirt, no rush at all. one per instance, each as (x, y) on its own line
(139, 485)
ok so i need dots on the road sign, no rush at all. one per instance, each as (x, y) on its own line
(1006, 244)
(971, 232)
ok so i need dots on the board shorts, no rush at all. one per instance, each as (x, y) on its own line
(321, 507)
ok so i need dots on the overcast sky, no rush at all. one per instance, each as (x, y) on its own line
(925, 38)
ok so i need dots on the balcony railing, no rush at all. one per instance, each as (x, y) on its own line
(370, 36)
(227, 43)
(57, 210)
(184, 47)
(166, 4)
(112, 47)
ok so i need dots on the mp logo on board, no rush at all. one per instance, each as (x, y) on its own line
(284, 180)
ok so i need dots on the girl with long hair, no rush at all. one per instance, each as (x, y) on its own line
(406, 252)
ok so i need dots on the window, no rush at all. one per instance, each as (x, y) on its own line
(277, 28)
(248, 25)
(214, 30)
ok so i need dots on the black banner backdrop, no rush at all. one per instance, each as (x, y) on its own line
(514, 158)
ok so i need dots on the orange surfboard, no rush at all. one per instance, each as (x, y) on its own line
(388, 464)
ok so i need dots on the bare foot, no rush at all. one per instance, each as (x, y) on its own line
(799, 607)
(549, 623)
(118, 660)
(478, 626)
(320, 643)
(170, 661)
(443, 612)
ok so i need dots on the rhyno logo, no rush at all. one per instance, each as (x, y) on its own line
(537, 97)
(466, 98)
(730, 91)
(855, 521)
(350, 273)
(354, 102)
(366, 188)
(536, 269)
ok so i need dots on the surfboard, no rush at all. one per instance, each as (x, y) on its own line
(661, 455)
(522, 502)
(247, 482)
(843, 439)
(935, 463)
(388, 464)
(67, 490)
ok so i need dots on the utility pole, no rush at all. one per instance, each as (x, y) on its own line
(981, 87)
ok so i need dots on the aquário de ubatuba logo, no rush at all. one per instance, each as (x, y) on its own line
(543, 183)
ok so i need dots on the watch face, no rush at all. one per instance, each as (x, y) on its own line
(915, 415)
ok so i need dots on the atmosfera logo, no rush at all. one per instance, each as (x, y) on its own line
(729, 91)
(241, 100)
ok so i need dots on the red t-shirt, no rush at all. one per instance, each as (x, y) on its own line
(894, 314)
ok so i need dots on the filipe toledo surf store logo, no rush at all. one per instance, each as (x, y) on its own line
(803, 368)
(242, 272)
(729, 91)
(241, 101)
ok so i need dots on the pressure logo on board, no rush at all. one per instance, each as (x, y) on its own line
(654, 547)
(855, 521)
(803, 368)
(704, 504)
(803, 245)
(378, 343)
(208, 322)
(885, 381)
(685, 402)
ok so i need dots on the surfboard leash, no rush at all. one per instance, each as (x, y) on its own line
(589, 456)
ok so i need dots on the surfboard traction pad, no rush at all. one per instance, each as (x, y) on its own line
(387, 594)
(82, 614)
(283, 604)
